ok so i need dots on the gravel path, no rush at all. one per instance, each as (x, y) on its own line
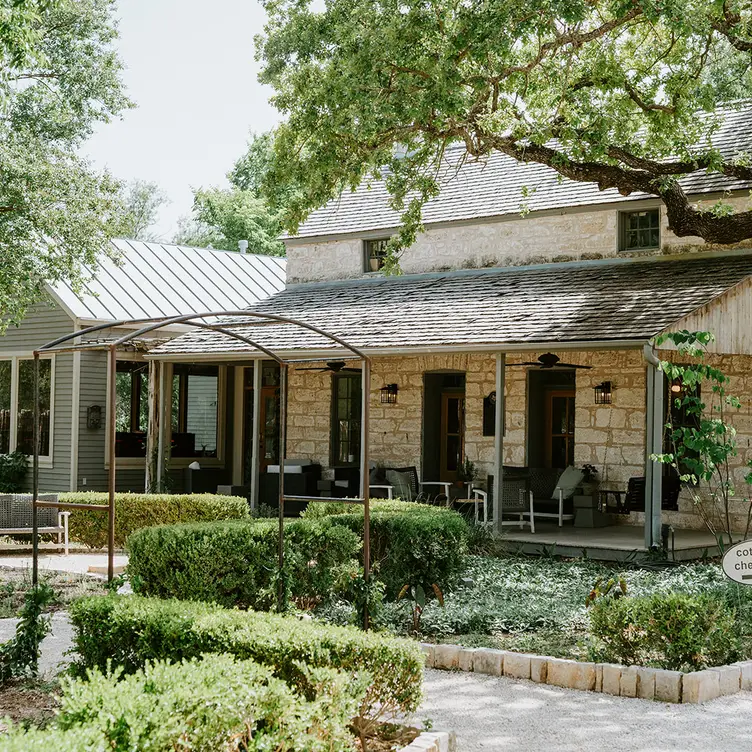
(490, 713)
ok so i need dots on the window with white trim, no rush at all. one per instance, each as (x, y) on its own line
(17, 405)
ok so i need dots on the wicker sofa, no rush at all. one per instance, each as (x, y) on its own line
(16, 517)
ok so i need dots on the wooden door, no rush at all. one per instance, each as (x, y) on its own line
(452, 434)
(560, 428)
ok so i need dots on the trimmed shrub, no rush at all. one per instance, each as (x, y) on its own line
(217, 703)
(235, 563)
(129, 631)
(670, 630)
(415, 544)
(135, 511)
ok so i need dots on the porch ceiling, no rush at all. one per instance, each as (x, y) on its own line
(615, 301)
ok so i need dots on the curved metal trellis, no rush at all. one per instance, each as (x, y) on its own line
(198, 320)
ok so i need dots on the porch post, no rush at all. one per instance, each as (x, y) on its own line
(256, 435)
(498, 483)
(653, 445)
(161, 426)
(153, 426)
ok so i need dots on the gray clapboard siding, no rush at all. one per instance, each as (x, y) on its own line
(44, 322)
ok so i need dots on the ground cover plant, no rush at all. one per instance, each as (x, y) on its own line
(538, 604)
(134, 511)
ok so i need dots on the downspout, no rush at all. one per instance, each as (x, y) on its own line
(653, 445)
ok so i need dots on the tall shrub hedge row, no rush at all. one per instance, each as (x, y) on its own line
(129, 631)
(235, 563)
(411, 544)
(218, 703)
(134, 511)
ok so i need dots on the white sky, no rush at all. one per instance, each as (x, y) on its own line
(190, 69)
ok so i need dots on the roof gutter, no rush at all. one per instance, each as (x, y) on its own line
(386, 352)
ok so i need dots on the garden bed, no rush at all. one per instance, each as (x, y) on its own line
(537, 605)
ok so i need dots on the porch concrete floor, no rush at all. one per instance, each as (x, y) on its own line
(612, 542)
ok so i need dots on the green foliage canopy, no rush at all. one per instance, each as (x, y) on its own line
(60, 76)
(602, 91)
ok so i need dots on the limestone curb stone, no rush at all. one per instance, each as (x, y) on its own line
(488, 661)
(562, 672)
(646, 683)
(446, 656)
(668, 686)
(641, 682)
(432, 741)
(746, 674)
(466, 658)
(517, 665)
(701, 686)
(628, 682)
(612, 679)
(729, 679)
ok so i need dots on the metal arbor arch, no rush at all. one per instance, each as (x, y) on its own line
(198, 320)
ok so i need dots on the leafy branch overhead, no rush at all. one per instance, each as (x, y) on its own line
(621, 93)
(60, 76)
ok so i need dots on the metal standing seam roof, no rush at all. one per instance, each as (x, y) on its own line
(494, 187)
(566, 302)
(150, 280)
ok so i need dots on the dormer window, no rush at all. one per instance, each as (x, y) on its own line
(375, 254)
(640, 230)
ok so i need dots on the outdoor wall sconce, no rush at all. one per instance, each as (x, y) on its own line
(389, 394)
(94, 417)
(603, 393)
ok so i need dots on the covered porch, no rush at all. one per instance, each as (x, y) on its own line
(479, 339)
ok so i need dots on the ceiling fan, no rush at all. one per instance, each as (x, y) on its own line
(335, 366)
(548, 360)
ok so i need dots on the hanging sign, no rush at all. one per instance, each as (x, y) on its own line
(737, 562)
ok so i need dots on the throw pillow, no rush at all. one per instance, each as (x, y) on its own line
(568, 482)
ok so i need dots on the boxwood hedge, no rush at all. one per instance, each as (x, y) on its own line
(415, 544)
(218, 703)
(235, 563)
(134, 511)
(129, 631)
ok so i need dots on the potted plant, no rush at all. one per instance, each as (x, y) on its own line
(590, 480)
(467, 472)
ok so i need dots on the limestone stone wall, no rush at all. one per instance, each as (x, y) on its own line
(739, 370)
(610, 437)
(568, 235)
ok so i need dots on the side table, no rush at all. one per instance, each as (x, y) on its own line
(587, 514)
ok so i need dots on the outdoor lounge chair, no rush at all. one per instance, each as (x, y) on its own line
(411, 488)
(16, 517)
(671, 486)
(515, 501)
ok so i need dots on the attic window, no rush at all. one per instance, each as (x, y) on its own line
(375, 254)
(640, 230)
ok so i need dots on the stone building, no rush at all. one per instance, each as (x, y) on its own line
(552, 300)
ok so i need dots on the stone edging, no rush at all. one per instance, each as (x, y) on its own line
(432, 741)
(623, 681)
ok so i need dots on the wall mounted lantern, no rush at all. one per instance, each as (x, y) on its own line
(603, 393)
(94, 417)
(389, 394)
